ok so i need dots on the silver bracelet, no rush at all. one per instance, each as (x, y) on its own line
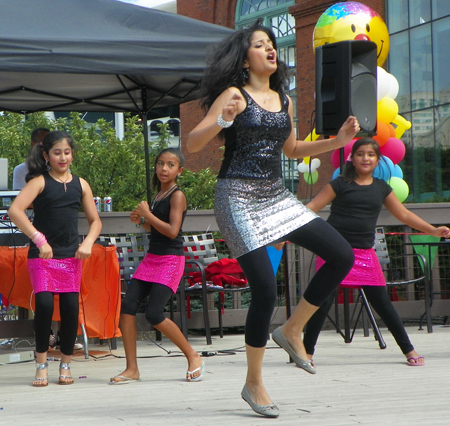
(223, 123)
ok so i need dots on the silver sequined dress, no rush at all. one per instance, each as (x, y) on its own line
(253, 209)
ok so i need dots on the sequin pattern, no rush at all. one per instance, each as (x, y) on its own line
(252, 207)
(366, 270)
(254, 213)
(254, 144)
(55, 275)
(166, 270)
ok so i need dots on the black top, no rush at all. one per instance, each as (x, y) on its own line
(354, 211)
(159, 243)
(254, 143)
(56, 216)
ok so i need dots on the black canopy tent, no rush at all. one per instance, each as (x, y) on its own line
(99, 55)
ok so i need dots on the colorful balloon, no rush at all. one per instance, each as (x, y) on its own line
(336, 173)
(311, 178)
(336, 156)
(383, 133)
(394, 149)
(387, 110)
(385, 169)
(402, 126)
(393, 86)
(352, 21)
(398, 172)
(400, 188)
(382, 83)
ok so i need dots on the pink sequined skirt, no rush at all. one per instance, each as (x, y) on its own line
(55, 275)
(166, 270)
(366, 270)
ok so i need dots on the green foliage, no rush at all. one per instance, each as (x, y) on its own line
(113, 167)
(15, 132)
(199, 188)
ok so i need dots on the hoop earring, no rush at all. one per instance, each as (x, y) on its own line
(245, 73)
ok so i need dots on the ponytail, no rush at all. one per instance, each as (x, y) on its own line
(35, 162)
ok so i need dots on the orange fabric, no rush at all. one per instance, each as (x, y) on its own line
(99, 295)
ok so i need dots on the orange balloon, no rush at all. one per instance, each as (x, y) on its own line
(391, 131)
(383, 133)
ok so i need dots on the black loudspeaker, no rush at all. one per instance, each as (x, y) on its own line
(346, 84)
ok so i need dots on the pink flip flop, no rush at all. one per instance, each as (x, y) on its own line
(415, 363)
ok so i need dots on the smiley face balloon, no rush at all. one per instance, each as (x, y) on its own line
(352, 21)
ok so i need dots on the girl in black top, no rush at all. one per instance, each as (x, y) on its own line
(356, 199)
(159, 274)
(54, 257)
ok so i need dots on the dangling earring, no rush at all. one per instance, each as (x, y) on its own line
(245, 73)
(47, 165)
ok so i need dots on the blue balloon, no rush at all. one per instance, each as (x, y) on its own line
(385, 169)
(336, 173)
(398, 172)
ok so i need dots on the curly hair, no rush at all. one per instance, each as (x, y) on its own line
(225, 65)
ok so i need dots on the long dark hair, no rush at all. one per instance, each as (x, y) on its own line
(156, 183)
(225, 65)
(350, 173)
(35, 161)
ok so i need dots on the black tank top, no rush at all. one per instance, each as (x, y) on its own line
(56, 216)
(159, 243)
(254, 143)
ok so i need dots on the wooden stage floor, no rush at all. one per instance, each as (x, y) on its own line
(356, 384)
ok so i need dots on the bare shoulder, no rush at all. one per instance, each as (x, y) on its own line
(178, 198)
(86, 188)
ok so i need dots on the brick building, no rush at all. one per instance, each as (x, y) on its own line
(305, 13)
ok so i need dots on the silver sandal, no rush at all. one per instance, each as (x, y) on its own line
(41, 380)
(65, 366)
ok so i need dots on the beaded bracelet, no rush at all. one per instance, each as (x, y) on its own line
(223, 123)
(138, 225)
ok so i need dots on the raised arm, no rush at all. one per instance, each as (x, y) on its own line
(294, 148)
(230, 103)
(323, 198)
(407, 217)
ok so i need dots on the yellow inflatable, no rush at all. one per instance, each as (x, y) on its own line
(352, 21)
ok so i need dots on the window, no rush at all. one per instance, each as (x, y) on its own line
(419, 59)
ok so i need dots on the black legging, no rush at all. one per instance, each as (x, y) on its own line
(68, 308)
(316, 236)
(137, 291)
(379, 299)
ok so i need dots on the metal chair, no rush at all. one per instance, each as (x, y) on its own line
(421, 273)
(200, 251)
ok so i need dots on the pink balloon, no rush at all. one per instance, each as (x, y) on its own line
(335, 156)
(394, 149)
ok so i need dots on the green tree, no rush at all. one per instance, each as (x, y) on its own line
(113, 167)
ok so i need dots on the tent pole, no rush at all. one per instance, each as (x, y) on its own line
(145, 129)
(147, 156)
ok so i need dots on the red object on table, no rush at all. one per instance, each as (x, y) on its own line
(99, 295)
